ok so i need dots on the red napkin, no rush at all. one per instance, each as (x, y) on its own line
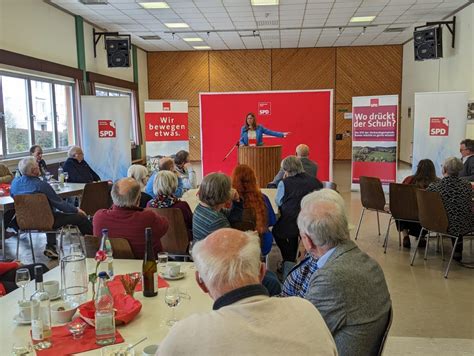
(126, 308)
(116, 287)
(64, 344)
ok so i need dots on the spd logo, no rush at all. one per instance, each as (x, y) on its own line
(374, 103)
(107, 129)
(264, 108)
(439, 126)
(166, 106)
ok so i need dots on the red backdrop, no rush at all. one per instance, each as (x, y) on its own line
(306, 114)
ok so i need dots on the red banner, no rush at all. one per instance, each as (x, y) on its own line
(169, 126)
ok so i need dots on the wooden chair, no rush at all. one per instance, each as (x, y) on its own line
(403, 207)
(248, 222)
(121, 247)
(372, 198)
(330, 185)
(33, 214)
(433, 219)
(176, 240)
(387, 330)
(95, 196)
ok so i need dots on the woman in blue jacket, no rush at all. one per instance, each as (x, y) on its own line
(252, 134)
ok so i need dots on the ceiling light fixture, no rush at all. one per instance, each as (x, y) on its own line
(201, 47)
(154, 5)
(193, 39)
(264, 2)
(362, 19)
(176, 25)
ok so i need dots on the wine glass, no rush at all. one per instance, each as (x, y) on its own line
(162, 261)
(47, 176)
(66, 176)
(172, 299)
(22, 278)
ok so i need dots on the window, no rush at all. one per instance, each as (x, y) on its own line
(36, 111)
(102, 91)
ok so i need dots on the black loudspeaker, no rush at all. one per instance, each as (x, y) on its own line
(118, 53)
(428, 43)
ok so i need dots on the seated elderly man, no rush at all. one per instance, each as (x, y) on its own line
(343, 283)
(310, 167)
(294, 186)
(165, 164)
(64, 213)
(244, 320)
(126, 219)
(78, 169)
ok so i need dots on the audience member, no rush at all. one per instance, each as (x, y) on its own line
(309, 166)
(294, 186)
(37, 152)
(164, 187)
(5, 175)
(5, 178)
(185, 170)
(467, 153)
(141, 175)
(210, 214)
(8, 272)
(244, 320)
(456, 194)
(425, 175)
(127, 220)
(78, 169)
(245, 182)
(64, 213)
(347, 286)
(165, 164)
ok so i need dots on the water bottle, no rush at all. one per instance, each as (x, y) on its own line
(106, 246)
(40, 314)
(104, 313)
(61, 176)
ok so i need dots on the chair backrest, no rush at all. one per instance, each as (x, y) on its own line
(371, 193)
(176, 239)
(33, 212)
(248, 222)
(95, 196)
(385, 334)
(431, 212)
(330, 185)
(402, 202)
(120, 247)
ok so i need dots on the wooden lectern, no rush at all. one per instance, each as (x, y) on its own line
(264, 160)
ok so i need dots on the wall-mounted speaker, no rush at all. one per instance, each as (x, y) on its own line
(118, 52)
(428, 43)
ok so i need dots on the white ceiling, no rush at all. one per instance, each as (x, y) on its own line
(291, 20)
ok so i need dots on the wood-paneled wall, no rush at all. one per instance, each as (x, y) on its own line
(350, 71)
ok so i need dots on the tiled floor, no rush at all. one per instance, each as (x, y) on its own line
(432, 315)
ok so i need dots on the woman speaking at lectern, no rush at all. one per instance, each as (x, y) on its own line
(252, 134)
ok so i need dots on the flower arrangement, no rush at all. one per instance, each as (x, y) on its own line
(129, 282)
(100, 257)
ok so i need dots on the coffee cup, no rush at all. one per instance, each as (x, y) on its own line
(24, 313)
(52, 288)
(173, 269)
(150, 350)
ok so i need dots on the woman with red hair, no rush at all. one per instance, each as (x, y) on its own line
(245, 182)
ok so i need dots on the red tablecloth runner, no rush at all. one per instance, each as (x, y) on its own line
(64, 344)
(115, 286)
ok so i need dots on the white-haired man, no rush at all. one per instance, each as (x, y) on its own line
(244, 320)
(310, 167)
(344, 283)
(64, 213)
(78, 169)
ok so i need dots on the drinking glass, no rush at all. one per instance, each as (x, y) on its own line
(66, 176)
(22, 349)
(22, 278)
(172, 299)
(47, 176)
(162, 261)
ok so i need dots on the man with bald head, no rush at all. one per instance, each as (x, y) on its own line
(310, 167)
(165, 164)
(244, 319)
(127, 220)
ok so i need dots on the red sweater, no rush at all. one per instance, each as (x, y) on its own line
(4, 268)
(130, 223)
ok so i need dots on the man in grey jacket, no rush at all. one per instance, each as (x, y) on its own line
(310, 167)
(344, 284)
(467, 153)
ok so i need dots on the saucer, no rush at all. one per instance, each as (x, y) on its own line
(57, 296)
(173, 278)
(19, 321)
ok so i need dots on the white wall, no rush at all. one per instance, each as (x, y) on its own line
(453, 72)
